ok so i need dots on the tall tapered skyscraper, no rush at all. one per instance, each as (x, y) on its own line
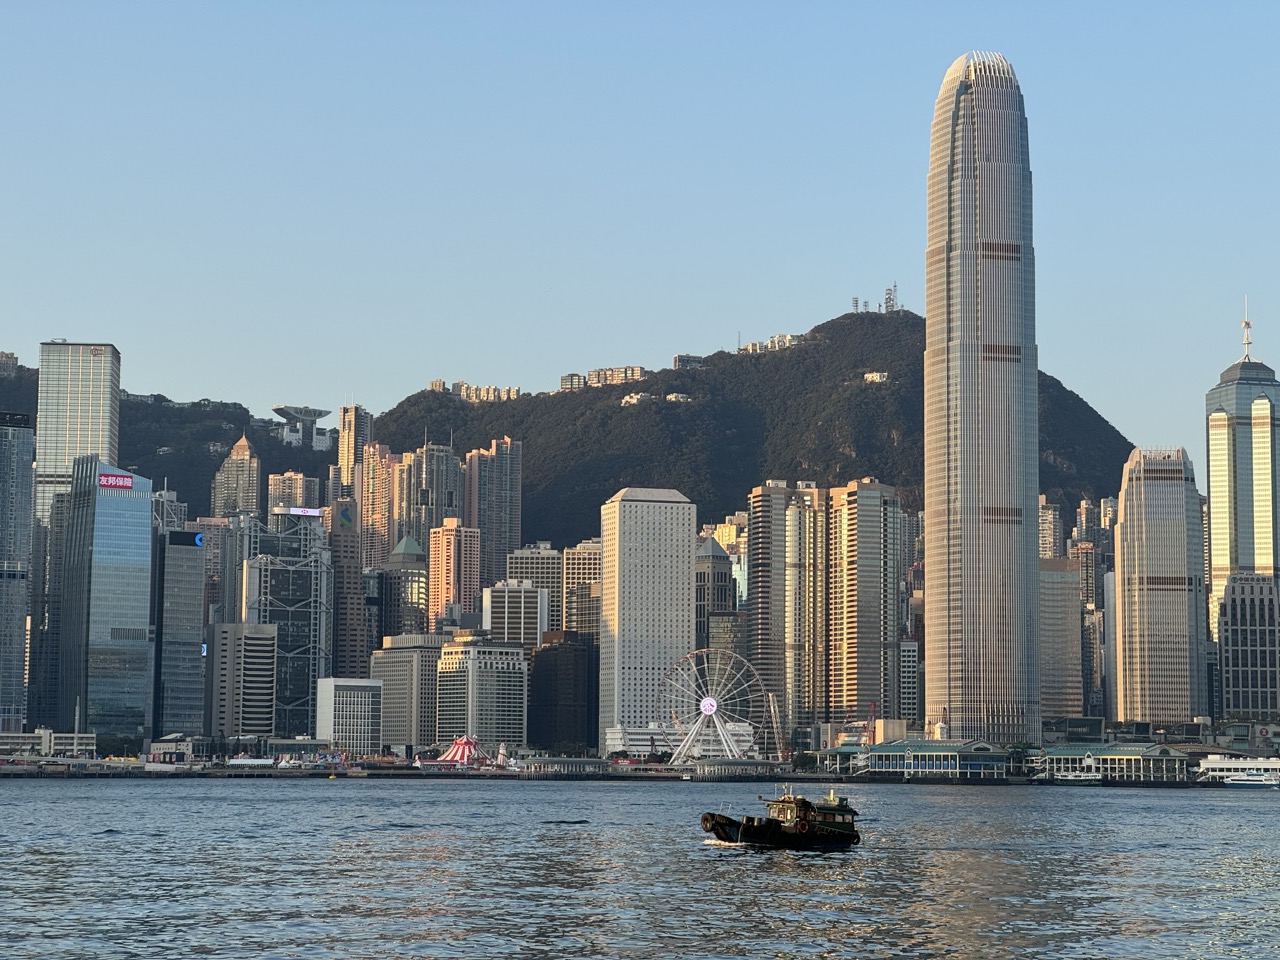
(980, 427)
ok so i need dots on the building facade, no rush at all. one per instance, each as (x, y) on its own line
(515, 611)
(786, 596)
(17, 451)
(453, 569)
(492, 504)
(77, 413)
(283, 576)
(240, 680)
(349, 715)
(865, 607)
(564, 692)
(1249, 647)
(1243, 434)
(583, 565)
(178, 623)
(482, 691)
(1160, 649)
(981, 470)
(237, 486)
(1061, 632)
(106, 664)
(648, 537)
(406, 665)
(543, 566)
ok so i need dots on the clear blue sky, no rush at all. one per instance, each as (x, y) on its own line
(319, 202)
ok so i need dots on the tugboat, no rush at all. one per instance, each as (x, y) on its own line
(791, 822)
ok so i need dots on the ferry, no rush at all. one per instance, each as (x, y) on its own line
(1253, 780)
(791, 822)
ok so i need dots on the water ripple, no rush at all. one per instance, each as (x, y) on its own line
(341, 869)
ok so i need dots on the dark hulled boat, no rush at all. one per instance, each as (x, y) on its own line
(791, 822)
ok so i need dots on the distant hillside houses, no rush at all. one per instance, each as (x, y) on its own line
(631, 399)
(8, 364)
(475, 394)
(602, 376)
(779, 341)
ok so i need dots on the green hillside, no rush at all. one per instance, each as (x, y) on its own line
(801, 413)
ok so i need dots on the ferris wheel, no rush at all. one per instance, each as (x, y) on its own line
(711, 703)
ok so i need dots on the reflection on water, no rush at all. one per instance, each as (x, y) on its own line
(361, 868)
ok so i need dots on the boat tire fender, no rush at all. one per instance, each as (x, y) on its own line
(857, 838)
(802, 826)
(708, 822)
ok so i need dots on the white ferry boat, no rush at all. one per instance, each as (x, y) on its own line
(1253, 779)
(1247, 772)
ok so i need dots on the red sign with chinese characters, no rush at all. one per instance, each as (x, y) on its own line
(119, 481)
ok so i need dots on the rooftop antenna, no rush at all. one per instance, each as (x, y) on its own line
(1246, 326)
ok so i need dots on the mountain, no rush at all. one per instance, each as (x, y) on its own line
(805, 413)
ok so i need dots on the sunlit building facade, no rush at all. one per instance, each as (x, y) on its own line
(982, 677)
(1159, 653)
(865, 606)
(648, 537)
(1244, 475)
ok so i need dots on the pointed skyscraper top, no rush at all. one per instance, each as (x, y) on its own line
(1247, 367)
(242, 447)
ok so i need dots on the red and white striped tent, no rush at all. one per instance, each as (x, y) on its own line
(463, 751)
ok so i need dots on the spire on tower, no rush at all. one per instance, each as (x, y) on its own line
(1246, 326)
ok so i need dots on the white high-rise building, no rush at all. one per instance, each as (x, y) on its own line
(648, 539)
(482, 690)
(982, 677)
(1159, 661)
(349, 715)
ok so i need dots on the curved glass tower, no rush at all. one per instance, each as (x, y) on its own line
(981, 478)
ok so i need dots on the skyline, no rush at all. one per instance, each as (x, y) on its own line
(624, 184)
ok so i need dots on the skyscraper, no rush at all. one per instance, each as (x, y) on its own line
(237, 486)
(492, 504)
(77, 413)
(107, 659)
(1159, 652)
(17, 444)
(865, 612)
(351, 642)
(284, 576)
(453, 569)
(355, 429)
(1244, 474)
(647, 609)
(178, 615)
(982, 674)
(786, 574)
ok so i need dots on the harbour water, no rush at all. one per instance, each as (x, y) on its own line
(359, 868)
